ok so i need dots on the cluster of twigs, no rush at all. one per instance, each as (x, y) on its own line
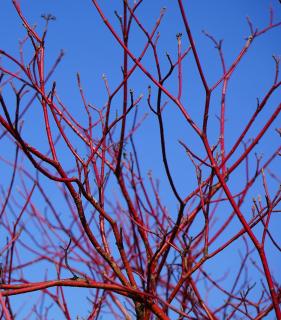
(137, 258)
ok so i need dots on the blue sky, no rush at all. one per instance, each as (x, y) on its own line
(90, 49)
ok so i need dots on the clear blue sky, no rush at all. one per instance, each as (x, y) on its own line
(90, 49)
